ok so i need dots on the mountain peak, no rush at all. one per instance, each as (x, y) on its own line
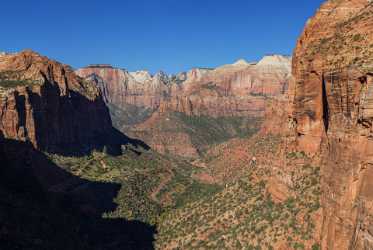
(241, 62)
(275, 60)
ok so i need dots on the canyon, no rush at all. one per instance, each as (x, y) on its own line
(275, 154)
(159, 109)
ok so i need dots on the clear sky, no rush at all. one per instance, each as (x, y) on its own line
(169, 35)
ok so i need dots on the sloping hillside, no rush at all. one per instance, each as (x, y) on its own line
(264, 206)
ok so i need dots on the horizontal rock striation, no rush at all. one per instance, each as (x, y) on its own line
(237, 89)
(122, 88)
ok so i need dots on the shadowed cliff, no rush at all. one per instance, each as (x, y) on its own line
(44, 207)
(44, 102)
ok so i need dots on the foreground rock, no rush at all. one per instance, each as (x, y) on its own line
(332, 96)
(46, 103)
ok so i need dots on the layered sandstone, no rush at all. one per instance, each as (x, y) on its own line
(332, 97)
(235, 89)
(238, 89)
(46, 103)
(122, 88)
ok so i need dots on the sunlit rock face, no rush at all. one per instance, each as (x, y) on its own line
(234, 89)
(332, 97)
(121, 87)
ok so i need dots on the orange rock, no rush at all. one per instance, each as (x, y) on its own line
(332, 98)
(236, 89)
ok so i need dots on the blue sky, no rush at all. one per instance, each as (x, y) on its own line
(169, 35)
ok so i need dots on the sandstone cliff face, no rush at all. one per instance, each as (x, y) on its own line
(121, 87)
(236, 89)
(332, 97)
(46, 103)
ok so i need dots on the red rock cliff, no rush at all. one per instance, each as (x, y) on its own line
(44, 102)
(121, 87)
(333, 96)
(236, 89)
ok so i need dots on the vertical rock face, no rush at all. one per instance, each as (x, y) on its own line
(332, 97)
(237, 89)
(121, 87)
(46, 103)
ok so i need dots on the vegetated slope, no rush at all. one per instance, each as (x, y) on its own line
(191, 136)
(96, 201)
(44, 207)
(149, 183)
(128, 116)
(267, 205)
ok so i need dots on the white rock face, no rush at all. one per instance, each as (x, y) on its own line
(142, 79)
(238, 65)
(276, 61)
(196, 74)
(141, 76)
(241, 62)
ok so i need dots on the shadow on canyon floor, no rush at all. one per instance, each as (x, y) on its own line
(44, 207)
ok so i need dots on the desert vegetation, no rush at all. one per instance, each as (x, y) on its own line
(10, 79)
(243, 215)
(149, 183)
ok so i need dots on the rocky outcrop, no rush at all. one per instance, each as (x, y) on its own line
(46, 103)
(332, 97)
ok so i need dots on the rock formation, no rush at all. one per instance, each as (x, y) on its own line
(238, 89)
(235, 89)
(122, 88)
(332, 95)
(46, 103)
